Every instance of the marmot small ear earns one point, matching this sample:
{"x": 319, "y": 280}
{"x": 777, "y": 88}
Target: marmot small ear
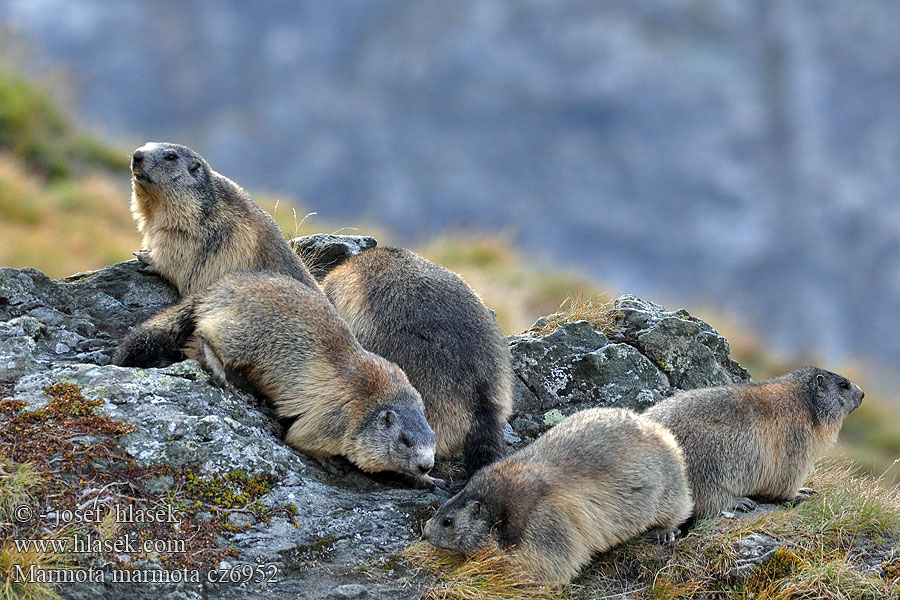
{"x": 194, "y": 166}
{"x": 475, "y": 508}
{"x": 820, "y": 380}
{"x": 390, "y": 417}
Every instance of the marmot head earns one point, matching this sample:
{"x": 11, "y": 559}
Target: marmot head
{"x": 395, "y": 436}
{"x": 465, "y": 521}
{"x": 159, "y": 167}
{"x": 830, "y": 396}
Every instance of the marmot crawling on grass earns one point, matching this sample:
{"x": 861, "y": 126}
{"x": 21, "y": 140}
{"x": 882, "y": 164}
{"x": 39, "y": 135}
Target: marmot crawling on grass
{"x": 429, "y": 322}
{"x": 756, "y": 439}
{"x": 291, "y": 345}
{"x": 594, "y": 480}
{"x": 199, "y": 225}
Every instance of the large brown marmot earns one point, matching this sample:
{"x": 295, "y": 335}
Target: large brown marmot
{"x": 199, "y": 225}
{"x": 429, "y": 322}
{"x": 292, "y": 346}
{"x": 756, "y": 439}
{"x": 595, "y": 479}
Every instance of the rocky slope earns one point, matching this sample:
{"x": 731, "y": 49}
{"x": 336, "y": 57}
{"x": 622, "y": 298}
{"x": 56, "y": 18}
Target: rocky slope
{"x": 328, "y": 529}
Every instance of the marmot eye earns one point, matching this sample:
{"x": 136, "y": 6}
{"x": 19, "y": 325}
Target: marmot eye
{"x": 405, "y": 440}
{"x": 447, "y": 522}
{"x": 170, "y": 155}
{"x": 845, "y": 385}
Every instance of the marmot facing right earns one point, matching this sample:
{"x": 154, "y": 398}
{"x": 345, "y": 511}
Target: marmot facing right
{"x": 429, "y": 322}
{"x": 199, "y": 225}
{"x": 756, "y": 439}
{"x": 595, "y": 479}
{"x": 292, "y": 346}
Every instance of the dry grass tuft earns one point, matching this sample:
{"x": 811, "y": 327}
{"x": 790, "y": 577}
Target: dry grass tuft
{"x": 488, "y": 575}
{"x": 597, "y": 311}
{"x": 13, "y": 559}
{"x": 828, "y": 541}
{"x": 18, "y": 481}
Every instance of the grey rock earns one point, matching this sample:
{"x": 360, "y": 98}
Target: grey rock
{"x": 43, "y": 321}
{"x": 159, "y": 484}
{"x": 754, "y": 551}
{"x": 324, "y": 251}
{"x": 573, "y": 368}
{"x": 241, "y": 519}
{"x": 349, "y": 591}
{"x": 689, "y": 351}
{"x": 183, "y": 420}
{"x": 879, "y": 558}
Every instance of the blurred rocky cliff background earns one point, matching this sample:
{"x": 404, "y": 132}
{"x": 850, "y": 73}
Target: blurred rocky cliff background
{"x": 737, "y": 156}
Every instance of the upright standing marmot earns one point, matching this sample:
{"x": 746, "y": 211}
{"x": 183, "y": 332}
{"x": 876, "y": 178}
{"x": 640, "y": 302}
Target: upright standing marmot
{"x": 199, "y": 225}
{"x": 594, "y": 480}
{"x": 293, "y": 348}
{"x": 756, "y": 439}
{"x": 433, "y": 326}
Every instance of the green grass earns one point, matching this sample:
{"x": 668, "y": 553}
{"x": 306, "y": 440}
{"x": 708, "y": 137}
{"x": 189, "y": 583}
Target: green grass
{"x": 61, "y": 208}
{"x": 63, "y": 227}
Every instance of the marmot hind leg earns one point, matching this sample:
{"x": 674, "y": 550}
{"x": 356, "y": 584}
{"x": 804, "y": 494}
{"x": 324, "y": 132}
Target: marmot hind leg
{"x": 158, "y": 341}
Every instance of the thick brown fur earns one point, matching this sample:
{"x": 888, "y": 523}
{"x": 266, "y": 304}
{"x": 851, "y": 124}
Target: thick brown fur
{"x": 198, "y": 225}
{"x": 758, "y": 439}
{"x": 428, "y": 321}
{"x": 594, "y": 480}
{"x": 292, "y": 346}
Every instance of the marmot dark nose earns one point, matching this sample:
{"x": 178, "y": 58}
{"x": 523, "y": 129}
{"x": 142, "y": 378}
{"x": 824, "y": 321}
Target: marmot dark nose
{"x": 137, "y": 157}
{"x": 425, "y": 466}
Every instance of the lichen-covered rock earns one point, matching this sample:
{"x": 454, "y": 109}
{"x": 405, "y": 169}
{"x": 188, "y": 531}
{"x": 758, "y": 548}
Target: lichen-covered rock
{"x": 79, "y": 319}
{"x": 689, "y": 351}
{"x": 645, "y": 354}
{"x": 574, "y": 368}
{"x": 181, "y": 420}
{"x": 753, "y": 551}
